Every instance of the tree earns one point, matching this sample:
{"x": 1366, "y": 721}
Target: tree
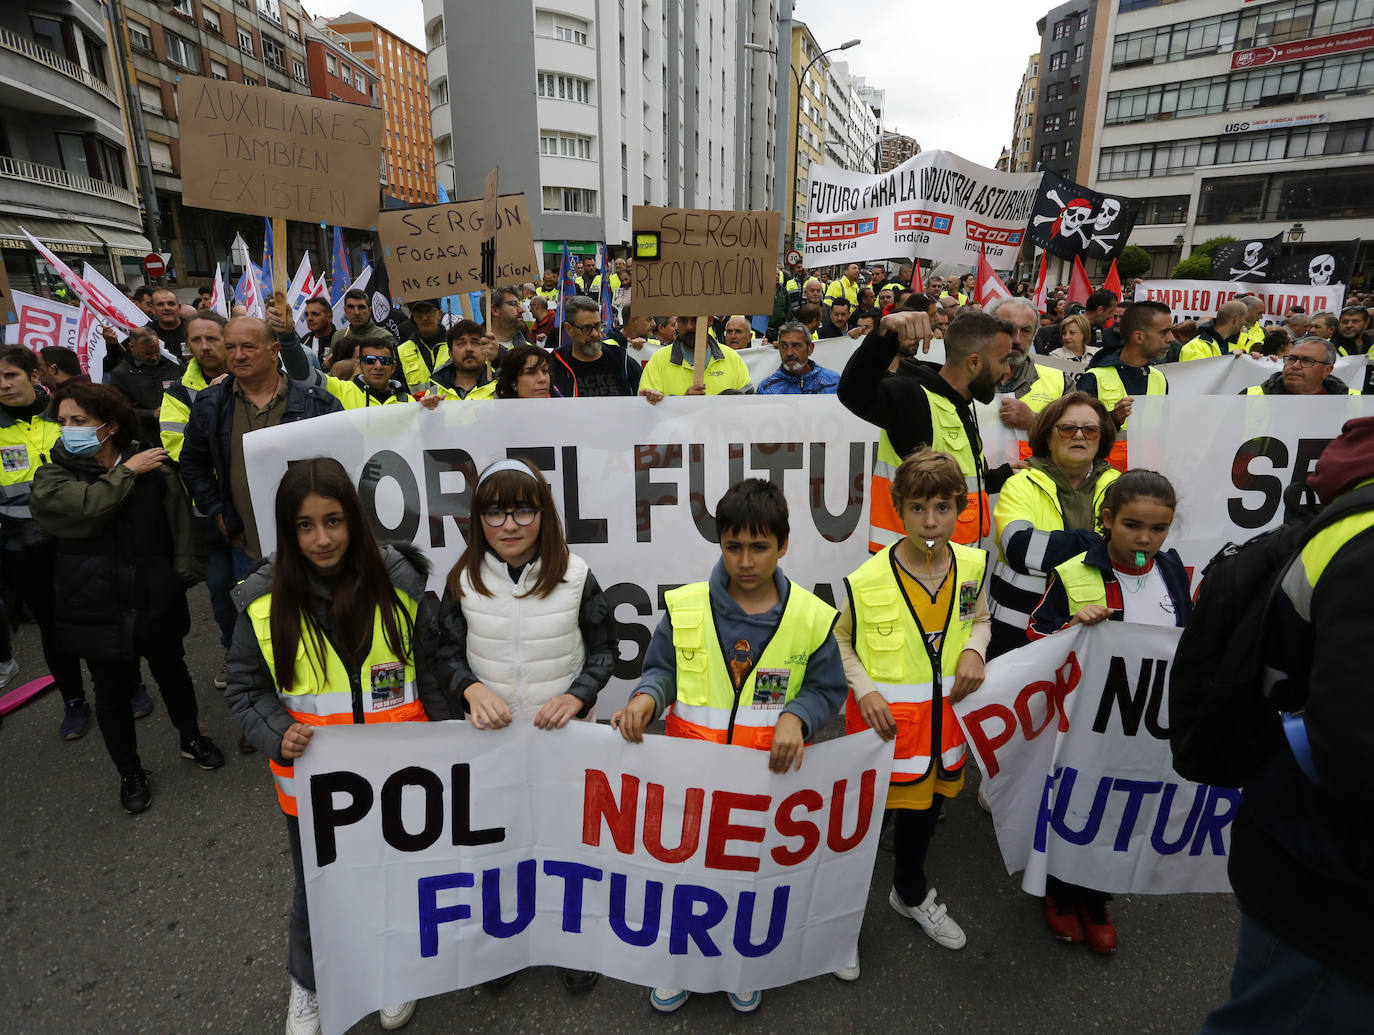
{"x": 1198, "y": 265}
{"x": 1133, "y": 261}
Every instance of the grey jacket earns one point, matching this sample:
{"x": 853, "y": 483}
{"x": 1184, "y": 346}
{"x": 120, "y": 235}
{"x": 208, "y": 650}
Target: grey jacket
{"x": 251, "y": 692}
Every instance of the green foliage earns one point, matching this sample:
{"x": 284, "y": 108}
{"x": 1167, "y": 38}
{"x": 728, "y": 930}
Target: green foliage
{"x": 1133, "y": 261}
{"x": 1205, "y": 248}
{"x": 1197, "y": 266}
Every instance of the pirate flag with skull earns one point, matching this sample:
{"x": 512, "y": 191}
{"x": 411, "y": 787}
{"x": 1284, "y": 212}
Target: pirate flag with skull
{"x": 1319, "y": 266}
{"x": 1251, "y": 261}
{"x": 1073, "y": 221}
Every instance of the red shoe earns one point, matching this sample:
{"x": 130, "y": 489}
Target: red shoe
{"x": 1063, "y": 922}
{"x": 1098, "y": 928}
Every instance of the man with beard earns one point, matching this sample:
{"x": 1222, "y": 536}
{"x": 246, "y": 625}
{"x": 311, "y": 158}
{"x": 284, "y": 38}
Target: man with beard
{"x": 590, "y": 367}
{"x": 925, "y": 404}
{"x": 837, "y": 323}
{"x": 1354, "y": 337}
{"x": 1028, "y": 389}
{"x": 467, "y": 367}
{"x": 798, "y": 374}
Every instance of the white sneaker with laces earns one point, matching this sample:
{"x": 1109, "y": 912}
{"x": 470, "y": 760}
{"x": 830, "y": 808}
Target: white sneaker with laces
{"x": 934, "y": 919}
{"x": 393, "y": 1017}
{"x": 303, "y": 1012}
{"x": 850, "y": 973}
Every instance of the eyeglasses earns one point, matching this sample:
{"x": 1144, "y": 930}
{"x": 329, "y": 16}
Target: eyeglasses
{"x": 1068, "y": 431}
{"x": 588, "y": 328}
{"x": 372, "y": 361}
{"x": 494, "y": 517}
{"x": 1306, "y": 362}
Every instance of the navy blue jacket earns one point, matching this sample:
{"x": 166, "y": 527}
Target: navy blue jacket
{"x": 1052, "y": 613}
{"x": 206, "y": 451}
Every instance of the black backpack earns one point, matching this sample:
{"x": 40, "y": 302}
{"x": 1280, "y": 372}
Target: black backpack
{"x": 1221, "y": 726}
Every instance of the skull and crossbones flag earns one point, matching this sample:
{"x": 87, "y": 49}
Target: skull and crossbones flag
{"x": 1320, "y": 265}
{"x": 1252, "y": 261}
{"x": 1073, "y": 221}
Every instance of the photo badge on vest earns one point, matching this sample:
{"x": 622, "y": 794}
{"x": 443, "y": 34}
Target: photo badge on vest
{"x": 770, "y": 688}
{"x": 14, "y": 458}
{"x": 388, "y": 685}
{"x": 968, "y": 600}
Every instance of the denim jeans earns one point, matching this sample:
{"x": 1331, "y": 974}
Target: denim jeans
{"x": 227, "y": 567}
{"x": 1277, "y": 989}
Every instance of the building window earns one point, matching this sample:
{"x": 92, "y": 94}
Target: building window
{"x": 346, "y": 74}
{"x": 1054, "y": 92}
{"x": 181, "y": 52}
{"x": 293, "y": 28}
{"x": 1049, "y": 152}
{"x": 1172, "y": 208}
{"x": 219, "y": 70}
{"x": 570, "y": 31}
{"x": 71, "y": 149}
{"x": 183, "y": 8}
{"x": 439, "y": 91}
{"x": 248, "y": 80}
{"x": 150, "y": 98}
{"x": 1051, "y": 124}
{"x": 330, "y": 65}
{"x": 565, "y": 146}
{"x": 1068, "y": 149}
{"x": 1083, "y": 21}
{"x": 564, "y": 88}
{"x": 246, "y": 42}
{"x": 160, "y": 155}
{"x": 1058, "y": 60}
{"x": 435, "y": 36}
{"x": 569, "y": 199}
{"x": 1072, "y": 117}
{"x": 1078, "y": 52}
{"x": 1075, "y": 84}
{"x": 273, "y": 53}
{"x": 139, "y": 37}
{"x": 1175, "y": 157}
{"x": 1308, "y": 194}
{"x": 298, "y": 71}
{"x": 1062, "y": 28}
{"x": 211, "y": 17}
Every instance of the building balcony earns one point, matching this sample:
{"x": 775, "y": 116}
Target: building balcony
{"x": 34, "y": 187}
{"x": 13, "y": 43}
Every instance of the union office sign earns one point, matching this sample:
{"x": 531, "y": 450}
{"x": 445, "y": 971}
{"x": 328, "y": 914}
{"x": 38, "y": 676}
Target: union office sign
{"x": 1320, "y": 46}
{"x": 1307, "y": 118}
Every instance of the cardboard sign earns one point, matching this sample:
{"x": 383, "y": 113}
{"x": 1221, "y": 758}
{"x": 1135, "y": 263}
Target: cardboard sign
{"x": 264, "y": 152}
{"x": 692, "y": 261}
{"x": 438, "y": 250}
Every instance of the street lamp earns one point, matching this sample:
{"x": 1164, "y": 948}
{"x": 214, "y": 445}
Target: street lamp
{"x": 796, "y": 131}
{"x": 1296, "y": 231}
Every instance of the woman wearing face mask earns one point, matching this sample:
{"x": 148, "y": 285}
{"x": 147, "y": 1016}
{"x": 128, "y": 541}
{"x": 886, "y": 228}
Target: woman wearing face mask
{"x": 126, "y": 552}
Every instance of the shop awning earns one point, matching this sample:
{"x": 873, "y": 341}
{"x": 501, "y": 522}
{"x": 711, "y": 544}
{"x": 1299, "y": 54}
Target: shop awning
{"x": 124, "y": 242}
{"x": 60, "y": 235}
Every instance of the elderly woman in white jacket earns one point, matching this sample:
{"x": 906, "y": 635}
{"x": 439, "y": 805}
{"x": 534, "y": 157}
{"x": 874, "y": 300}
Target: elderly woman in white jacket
{"x": 523, "y": 632}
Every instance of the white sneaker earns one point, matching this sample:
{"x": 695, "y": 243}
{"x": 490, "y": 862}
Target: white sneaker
{"x": 744, "y": 1002}
{"x": 934, "y": 920}
{"x": 984, "y": 802}
{"x": 8, "y": 670}
{"x": 667, "y": 1000}
{"x": 850, "y": 973}
{"x": 303, "y": 1012}
{"x": 393, "y": 1017}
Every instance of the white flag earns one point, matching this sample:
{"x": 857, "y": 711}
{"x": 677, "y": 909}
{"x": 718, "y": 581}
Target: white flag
{"x": 361, "y": 284}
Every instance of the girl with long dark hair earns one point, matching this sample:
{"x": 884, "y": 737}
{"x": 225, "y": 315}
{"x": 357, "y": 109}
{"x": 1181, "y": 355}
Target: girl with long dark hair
{"x": 325, "y": 636}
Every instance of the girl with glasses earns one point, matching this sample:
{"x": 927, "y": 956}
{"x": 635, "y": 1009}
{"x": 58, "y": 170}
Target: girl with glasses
{"x": 524, "y": 633}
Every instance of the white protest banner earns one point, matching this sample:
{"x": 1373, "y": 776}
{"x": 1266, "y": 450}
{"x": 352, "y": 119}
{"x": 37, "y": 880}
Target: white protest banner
{"x": 1231, "y": 460}
{"x": 933, "y": 206}
{"x": 636, "y": 484}
{"x": 670, "y": 863}
{"x": 1224, "y": 375}
{"x": 1199, "y": 299}
{"x": 123, "y": 314}
{"x": 1071, "y": 733}
{"x": 43, "y": 322}
{"x": 833, "y": 353}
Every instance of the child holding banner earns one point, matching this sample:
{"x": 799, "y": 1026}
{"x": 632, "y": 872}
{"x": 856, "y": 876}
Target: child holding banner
{"x": 913, "y": 637}
{"x": 781, "y": 680}
{"x": 1127, "y": 577}
{"x": 323, "y": 638}
{"x": 523, "y": 630}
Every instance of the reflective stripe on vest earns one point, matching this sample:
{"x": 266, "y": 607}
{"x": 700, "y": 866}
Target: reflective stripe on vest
{"x": 1047, "y": 387}
{"x": 708, "y": 707}
{"x": 1111, "y": 389}
{"x": 893, "y": 650}
{"x": 948, "y": 435}
{"x": 387, "y": 686}
{"x": 414, "y": 370}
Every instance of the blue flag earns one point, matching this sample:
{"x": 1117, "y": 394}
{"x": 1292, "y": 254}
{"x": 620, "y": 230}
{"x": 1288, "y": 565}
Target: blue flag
{"x": 265, "y": 277}
{"x": 567, "y": 285}
{"x": 341, "y": 276}
{"x": 443, "y": 194}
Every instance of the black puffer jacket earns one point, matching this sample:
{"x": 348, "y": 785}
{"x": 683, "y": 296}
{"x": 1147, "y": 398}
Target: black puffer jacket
{"x": 251, "y": 691}
{"x": 126, "y": 552}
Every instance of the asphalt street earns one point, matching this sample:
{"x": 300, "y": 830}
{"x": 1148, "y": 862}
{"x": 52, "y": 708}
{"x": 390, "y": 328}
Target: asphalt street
{"x": 175, "y": 920}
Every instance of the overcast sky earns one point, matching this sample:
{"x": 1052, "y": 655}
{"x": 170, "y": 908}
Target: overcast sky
{"x": 950, "y": 71}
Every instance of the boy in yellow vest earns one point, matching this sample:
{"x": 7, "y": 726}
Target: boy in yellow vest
{"x": 745, "y": 658}
{"x": 913, "y": 638}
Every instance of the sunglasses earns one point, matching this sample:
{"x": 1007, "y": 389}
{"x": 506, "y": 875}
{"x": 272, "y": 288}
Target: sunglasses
{"x": 372, "y": 361}
{"x": 1068, "y": 431}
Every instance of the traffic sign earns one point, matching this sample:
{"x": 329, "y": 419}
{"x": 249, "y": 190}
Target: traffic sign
{"x": 153, "y": 265}
{"x": 794, "y": 257}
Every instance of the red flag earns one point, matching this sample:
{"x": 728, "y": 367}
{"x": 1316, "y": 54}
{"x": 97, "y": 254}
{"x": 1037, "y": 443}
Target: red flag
{"x": 988, "y": 285}
{"x": 1041, "y": 286}
{"x": 85, "y": 291}
{"x": 1079, "y": 285}
{"x": 1113, "y": 282}
{"x": 916, "y": 284}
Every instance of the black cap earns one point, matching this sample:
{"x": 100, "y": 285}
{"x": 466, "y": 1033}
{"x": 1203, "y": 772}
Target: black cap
{"x": 423, "y": 303}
